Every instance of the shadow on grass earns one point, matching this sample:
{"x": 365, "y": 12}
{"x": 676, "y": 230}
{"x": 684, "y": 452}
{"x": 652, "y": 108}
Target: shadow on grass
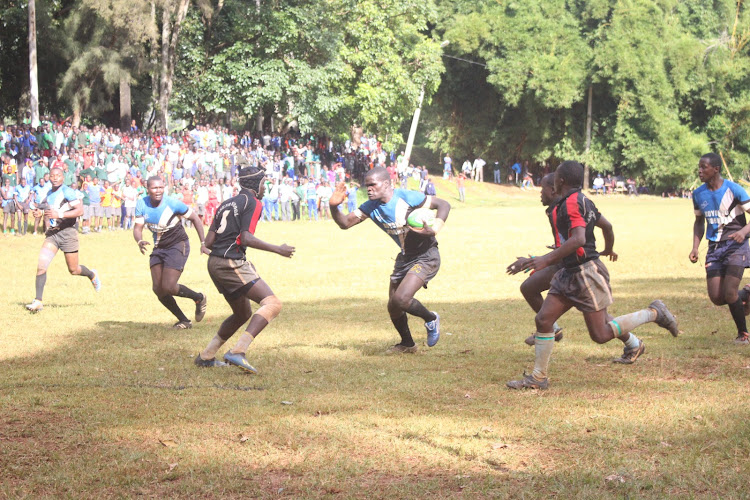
{"x": 340, "y": 418}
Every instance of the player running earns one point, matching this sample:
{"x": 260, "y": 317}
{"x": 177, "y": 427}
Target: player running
{"x": 419, "y": 259}
{"x": 232, "y": 231}
{"x": 162, "y": 216}
{"x": 539, "y": 281}
{"x": 723, "y": 204}
{"x": 60, "y": 208}
{"x": 583, "y": 282}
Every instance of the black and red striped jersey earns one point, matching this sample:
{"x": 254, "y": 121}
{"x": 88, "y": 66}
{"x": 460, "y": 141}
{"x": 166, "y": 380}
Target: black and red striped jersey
{"x": 576, "y": 210}
{"x": 235, "y": 215}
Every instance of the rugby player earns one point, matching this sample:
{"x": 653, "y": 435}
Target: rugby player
{"x": 583, "y": 282}
{"x": 417, "y": 262}
{"x": 60, "y": 208}
{"x": 722, "y": 204}
{"x": 171, "y": 248}
{"x": 539, "y": 282}
{"x": 232, "y": 231}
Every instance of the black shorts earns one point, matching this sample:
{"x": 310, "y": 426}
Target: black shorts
{"x": 173, "y": 257}
{"x": 723, "y": 254}
{"x": 232, "y": 277}
{"x": 425, "y": 266}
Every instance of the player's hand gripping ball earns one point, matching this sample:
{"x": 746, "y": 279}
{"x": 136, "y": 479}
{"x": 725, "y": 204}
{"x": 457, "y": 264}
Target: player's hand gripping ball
{"x": 420, "y": 218}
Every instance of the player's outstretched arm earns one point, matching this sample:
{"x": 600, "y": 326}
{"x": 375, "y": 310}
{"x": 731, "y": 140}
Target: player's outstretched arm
{"x": 609, "y": 238}
{"x": 343, "y": 221}
{"x": 247, "y": 239}
{"x": 699, "y": 227}
{"x": 577, "y": 239}
{"x": 517, "y": 266}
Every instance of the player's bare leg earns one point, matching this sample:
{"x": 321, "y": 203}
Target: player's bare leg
{"x": 400, "y": 302}
{"x": 724, "y": 290}
{"x": 270, "y": 307}
{"x": 74, "y": 268}
{"x": 532, "y": 289}
{"x": 164, "y": 285}
{"x": 46, "y": 254}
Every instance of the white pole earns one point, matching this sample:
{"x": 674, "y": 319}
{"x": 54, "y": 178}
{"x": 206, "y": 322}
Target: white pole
{"x": 33, "y": 81}
{"x": 413, "y": 129}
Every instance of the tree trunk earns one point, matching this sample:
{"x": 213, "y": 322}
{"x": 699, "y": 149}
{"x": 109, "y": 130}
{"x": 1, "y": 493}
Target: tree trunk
{"x": 125, "y": 101}
{"x": 33, "y": 80}
{"x": 172, "y": 17}
{"x": 356, "y": 136}
{"x": 259, "y": 120}
{"x": 588, "y": 136}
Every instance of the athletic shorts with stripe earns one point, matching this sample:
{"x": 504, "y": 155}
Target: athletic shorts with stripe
{"x": 586, "y": 286}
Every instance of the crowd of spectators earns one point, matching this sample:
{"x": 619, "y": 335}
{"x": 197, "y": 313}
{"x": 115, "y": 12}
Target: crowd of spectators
{"x": 109, "y": 169}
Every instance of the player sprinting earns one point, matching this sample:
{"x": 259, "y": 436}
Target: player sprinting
{"x": 162, "y": 215}
{"x": 539, "y": 281}
{"x": 583, "y": 282}
{"x": 417, "y": 262}
{"x": 59, "y": 208}
{"x": 722, "y": 204}
{"x": 232, "y": 231}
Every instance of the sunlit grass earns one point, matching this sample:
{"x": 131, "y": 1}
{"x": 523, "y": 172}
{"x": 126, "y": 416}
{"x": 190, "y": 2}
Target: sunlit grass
{"x": 99, "y": 397}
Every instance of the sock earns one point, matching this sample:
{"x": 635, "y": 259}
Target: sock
{"x": 417, "y": 309}
{"x": 210, "y": 351}
{"x": 738, "y": 315}
{"x": 542, "y": 352}
{"x": 632, "y": 342}
{"x": 171, "y": 304}
{"x": 555, "y": 327}
{"x": 41, "y": 279}
{"x": 628, "y": 322}
{"x": 186, "y": 292}
{"x": 402, "y": 326}
{"x": 85, "y": 271}
{"x": 242, "y": 344}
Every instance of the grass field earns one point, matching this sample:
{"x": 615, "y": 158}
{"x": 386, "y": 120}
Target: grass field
{"x": 100, "y": 398}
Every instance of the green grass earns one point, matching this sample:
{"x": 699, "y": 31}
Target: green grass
{"x": 99, "y": 397}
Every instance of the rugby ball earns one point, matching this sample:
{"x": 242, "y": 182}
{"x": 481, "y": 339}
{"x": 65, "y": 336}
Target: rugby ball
{"x": 420, "y": 218}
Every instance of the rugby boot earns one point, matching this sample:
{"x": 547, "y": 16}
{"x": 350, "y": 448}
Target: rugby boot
{"x": 208, "y": 363}
{"x": 528, "y": 382}
{"x": 433, "y": 330}
{"x": 239, "y": 361}
{"x": 629, "y": 356}
{"x": 664, "y": 317}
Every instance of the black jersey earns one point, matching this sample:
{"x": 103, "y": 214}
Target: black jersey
{"x": 237, "y": 214}
{"x": 576, "y": 210}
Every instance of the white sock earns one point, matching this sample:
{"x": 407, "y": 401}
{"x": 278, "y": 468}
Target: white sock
{"x": 629, "y": 322}
{"x": 632, "y": 342}
{"x": 542, "y": 352}
{"x": 242, "y": 344}
{"x": 210, "y": 351}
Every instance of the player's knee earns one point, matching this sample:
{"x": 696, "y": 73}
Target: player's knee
{"x": 157, "y": 290}
{"x": 74, "y": 270}
{"x": 717, "y": 300}
{"x": 270, "y": 307}
{"x": 730, "y": 296}
{"x": 543, "y": 324}
{"x": 400, "y": 302}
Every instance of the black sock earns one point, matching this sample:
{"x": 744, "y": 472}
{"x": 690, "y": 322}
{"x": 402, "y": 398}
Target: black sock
{"x": 417, "y": 309}
{"x": 171, "y": 304}
{"x": 41, "y": 279}
{"x": 738, "y": 315}
{"x": 186, "y": 292}
{"x": 402, "y": 326}
{"x": 85, "y": 271}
